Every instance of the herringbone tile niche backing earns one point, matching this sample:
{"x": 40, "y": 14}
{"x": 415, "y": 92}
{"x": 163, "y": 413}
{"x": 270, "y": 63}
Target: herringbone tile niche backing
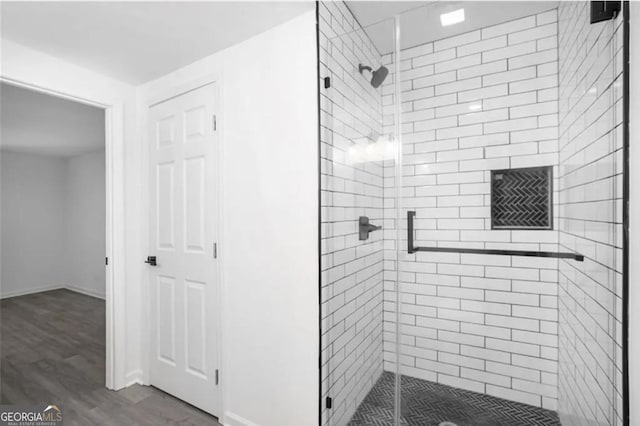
{"x": 522, "y": 198}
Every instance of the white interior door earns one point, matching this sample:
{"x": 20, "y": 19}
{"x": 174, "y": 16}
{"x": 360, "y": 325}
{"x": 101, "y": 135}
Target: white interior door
{"x": 183, "y": 229}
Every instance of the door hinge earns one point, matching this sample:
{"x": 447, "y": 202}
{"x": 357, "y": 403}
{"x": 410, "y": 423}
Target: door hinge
{"x": 215, "y": 250}
{"x": 106, "y": 261}
{"x": 217, "y": 377}
{"x": 215, "y": 123}
{"x": 329, "y": 402}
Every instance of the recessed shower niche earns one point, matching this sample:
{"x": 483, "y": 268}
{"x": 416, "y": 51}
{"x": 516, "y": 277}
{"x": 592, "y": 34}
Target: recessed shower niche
{"x": 522, "y": 198}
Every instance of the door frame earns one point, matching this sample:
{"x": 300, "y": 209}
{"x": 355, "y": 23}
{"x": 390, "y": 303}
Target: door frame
{"x": 149, "y": 98}
{"x": 115, "y": 338}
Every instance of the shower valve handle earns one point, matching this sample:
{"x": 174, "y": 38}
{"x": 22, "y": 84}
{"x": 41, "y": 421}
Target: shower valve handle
{"x": 365, "y": 228}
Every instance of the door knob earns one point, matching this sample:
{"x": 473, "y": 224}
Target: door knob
{"x": 151, "y": 260}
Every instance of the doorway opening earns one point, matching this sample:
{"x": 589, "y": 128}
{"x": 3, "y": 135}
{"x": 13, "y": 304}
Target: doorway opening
{"x": 54, "y": 246}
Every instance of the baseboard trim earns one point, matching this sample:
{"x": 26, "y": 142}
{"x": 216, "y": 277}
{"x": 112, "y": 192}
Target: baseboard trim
{"x": 133, "y": 378}
{"x": 58, "y": 287}
{"x": 17, "y": 293}
{"x": 86, "y": 292}
{"x": 231, "y": 419}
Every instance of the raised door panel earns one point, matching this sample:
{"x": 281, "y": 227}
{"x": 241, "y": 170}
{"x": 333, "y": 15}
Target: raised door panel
{"x": 194, "y": 204}
{"x": 165, "y": 206}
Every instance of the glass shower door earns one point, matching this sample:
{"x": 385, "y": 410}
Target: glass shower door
{"x": 357, "y": 152}
{"x": 509, "y": 276}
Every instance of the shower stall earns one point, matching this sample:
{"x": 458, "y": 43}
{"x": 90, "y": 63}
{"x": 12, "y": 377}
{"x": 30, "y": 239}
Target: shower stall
{"x": 472, "y": 168}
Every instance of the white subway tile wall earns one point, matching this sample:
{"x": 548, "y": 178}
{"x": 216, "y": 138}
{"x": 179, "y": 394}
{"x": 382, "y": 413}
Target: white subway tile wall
{"x": 590, "y": 218}
{"x": 351, "y": 186}
{"x": 484, "y": 100}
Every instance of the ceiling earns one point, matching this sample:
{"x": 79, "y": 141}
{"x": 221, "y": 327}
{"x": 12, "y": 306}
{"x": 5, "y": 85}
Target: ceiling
{"x": 420, "y": 20}
{"x": 137, "y": 42}
{"x": 36, "y": 123}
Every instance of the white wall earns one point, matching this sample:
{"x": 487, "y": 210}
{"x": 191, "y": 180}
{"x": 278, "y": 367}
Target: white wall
{"x": 85, "y": 223}
{"x": 33, "y": 216}
{"x": 53, "y": 223}
{"x": 269, "y": 247}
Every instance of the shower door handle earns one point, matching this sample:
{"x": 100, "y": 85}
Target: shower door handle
{"x": 410, "y": 215}
{"x": 412, "y": 249}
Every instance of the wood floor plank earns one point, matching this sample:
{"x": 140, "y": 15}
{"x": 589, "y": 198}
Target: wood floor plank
{"x": 52, "y": 350}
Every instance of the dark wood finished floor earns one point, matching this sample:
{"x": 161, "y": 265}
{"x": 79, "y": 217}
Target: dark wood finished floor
{"x": 52, "y": 351}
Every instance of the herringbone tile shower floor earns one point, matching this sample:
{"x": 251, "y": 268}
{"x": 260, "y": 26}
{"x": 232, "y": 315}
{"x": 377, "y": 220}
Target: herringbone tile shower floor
{"x": 428, "y": 404}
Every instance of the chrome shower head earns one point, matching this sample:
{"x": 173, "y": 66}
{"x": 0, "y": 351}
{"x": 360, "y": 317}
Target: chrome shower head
{"x": 377, "y": 76}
